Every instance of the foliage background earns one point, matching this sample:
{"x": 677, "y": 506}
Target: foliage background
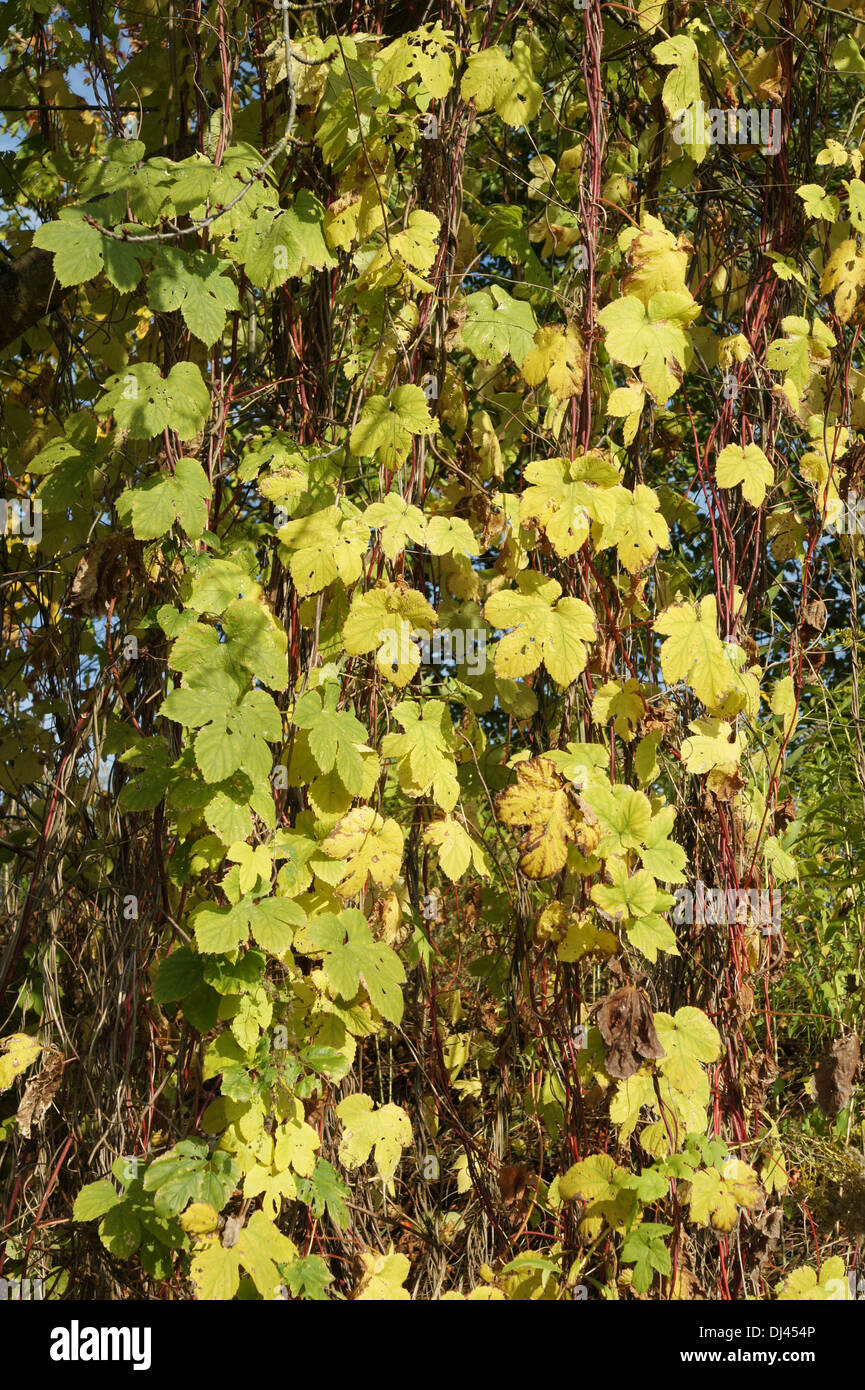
{"x": 334, "y": 974}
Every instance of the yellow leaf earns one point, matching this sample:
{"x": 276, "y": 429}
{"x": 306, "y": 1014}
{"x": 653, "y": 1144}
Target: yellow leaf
{"x": 541, "y": 801}
{"x": 387, "y": 1131}
{"x": 735, "y": 349}
{"x": 215, "y": 1271}
{"x": 747, "y": 466}
{"x": 21, "y": 1052}
{"x": 803, "y": 1286}
{"x": 584, "y": 937}
{"x": 693, "y": 651}
{"x": 383, "y": 1277}
{"x": 714, "y": 746}
{"x": 626, "y": 399}
{"x": 382, "y": 620}
{"x": 547, "y": 628}
{"x": 559, "y": 358}
{"x": 717, "y": 1197}
{"x": 368, "y": 846}
{"x": 456, "y": 848}
{"x": 650, "y": 15}
{"x": 773, "y": 1171}
{"x": 622, "y": 703}
{"x": 658, "y": 260}
{"x": 845, "y": 274}
{"x": 199, "y": 1219}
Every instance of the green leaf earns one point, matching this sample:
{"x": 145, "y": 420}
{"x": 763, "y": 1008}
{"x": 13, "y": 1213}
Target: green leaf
{"x": 217, "y": 753}
{"x": 717, "y": 1197}
{"x": 599, "y": 1182}
{"x": 235, "y": 736}
{"x": 326, "y": 1060}
{"x": 645, "y": 1249}
{"x": 398, "y": 521}
{"x": 220, "y": 929}
{"x": 275, "y": 249}
{"x": 622, "y": 703}
{"x": 308, "y": 1276}
{"x": 429, "y": 60}
{"x": 256, "y": 641}
{"x": 228, "y": 814}
{"x": 351, "y": 956}
{"x": 186, "y": 1174}
{"x": 803, "y": 1285}
{"x": 94, "y": 1200}
{"x": 76, "y": 245}
{"x": 120, "y": 1231}
{"x": 273, "y": 921}
{"x": 334, "y": 736}
{"x": 122, "y": 266}
{"x": 497, "y": 326}
{"x": 162, "y": 500}
{"x": 325, "y": 1192}
{"x": 387, "y": 424}
{"x": 631, "y": 895}
{"x": 235, "y": 977}
{"x": 651, "y": 934}
{"x": 260, "y": 715}
{"x": 195, "y": 283}
{"x": 179, "y": 974}
{"x": 663, "y": 857}
{"x": 625, "y": 816}
{"x": 638, "y": 529}
{"x": 847, "y": 56}
{"x": 195, "y": 707}
{"x": 681, "y": 90}
{"x": 425, "y": 751}
{"x": 856, "y": 194}
{"x": 145, "y": 403}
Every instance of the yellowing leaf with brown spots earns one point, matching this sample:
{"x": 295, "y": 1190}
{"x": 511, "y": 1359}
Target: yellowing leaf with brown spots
{"x": 541, "y": 801}
{"x": 658, "y": 260}
{"x": 21, "y": 1051}
{"x": 382, "y": 620}
{"x": 368, "y": 845}
{"x": 559, "y": 359}
{"x": 199, "y": 1219}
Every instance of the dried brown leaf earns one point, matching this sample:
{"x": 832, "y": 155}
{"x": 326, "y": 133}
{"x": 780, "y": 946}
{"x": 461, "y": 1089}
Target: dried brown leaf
{"x": 40, "y": 1091}
{"x": 832, "y": 1082}
{"x": 627, "y": 1026}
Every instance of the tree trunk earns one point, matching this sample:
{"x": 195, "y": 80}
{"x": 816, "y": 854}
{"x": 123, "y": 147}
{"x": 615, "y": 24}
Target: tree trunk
{"x": 28, "y": 291}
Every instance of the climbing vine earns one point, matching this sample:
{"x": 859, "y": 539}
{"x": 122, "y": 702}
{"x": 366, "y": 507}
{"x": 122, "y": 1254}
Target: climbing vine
{"x": 430, "y": 464}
